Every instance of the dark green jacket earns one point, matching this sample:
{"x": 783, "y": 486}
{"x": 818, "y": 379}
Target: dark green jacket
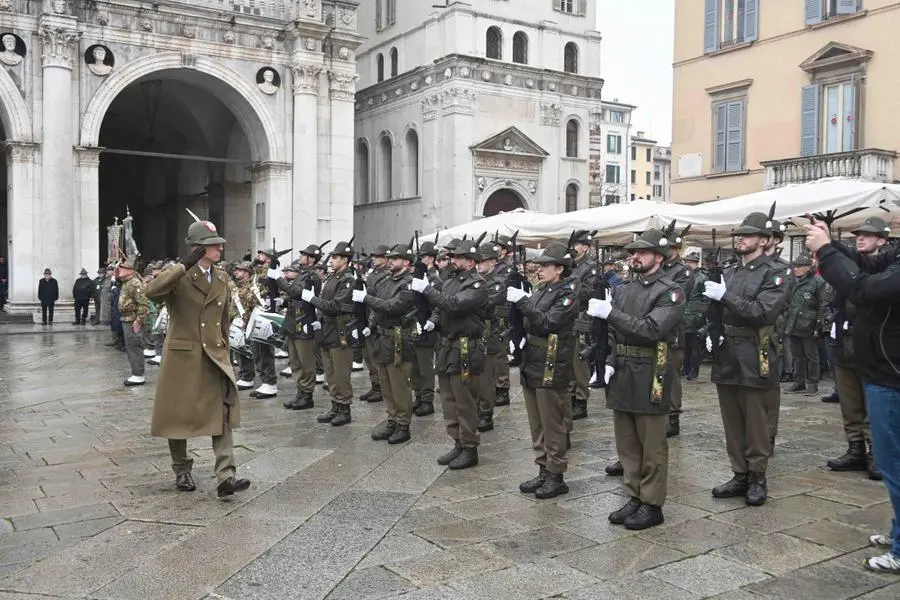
{"x": 455, "y": 315}
{"x": 336, "y": 306}
{"x": 551, "y": 309}
{"x": 806, "y": 311}
{"x": 391, "y": 306}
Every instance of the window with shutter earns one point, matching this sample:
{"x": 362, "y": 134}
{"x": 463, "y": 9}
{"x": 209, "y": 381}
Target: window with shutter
{"x": 392, "y": 12}
{"x": 809, "y": 121}
{"x": 379, "y": 13}
{"x": 721, "y": 122}
{"x": 729, "y": 22}
{"x": 710, "y": 26}
{"x": 814, "y": 10}
{"x": 751, "y": 20}
{"x": 734, "y": 151}
{"x": 557, "y": 5}
{"x": 847, "y": 7}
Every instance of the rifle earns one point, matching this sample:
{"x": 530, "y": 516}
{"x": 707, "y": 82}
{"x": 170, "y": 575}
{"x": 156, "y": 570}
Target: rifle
{"x": 597, "y": 352}
{"x": 716, "y": 311}
{"x": 307, "y": 310}
{"x": 517, "y": 333}
{"x": 420, "y": 271}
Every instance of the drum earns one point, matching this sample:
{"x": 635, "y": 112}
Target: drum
{"x": 265, "y": 328}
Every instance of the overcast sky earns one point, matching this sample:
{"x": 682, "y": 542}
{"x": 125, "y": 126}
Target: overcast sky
{"x": 636, "y": 60}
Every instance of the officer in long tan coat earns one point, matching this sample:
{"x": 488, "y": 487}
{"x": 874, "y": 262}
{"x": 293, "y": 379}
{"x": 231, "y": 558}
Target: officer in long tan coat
{"x": 196, "y": 393}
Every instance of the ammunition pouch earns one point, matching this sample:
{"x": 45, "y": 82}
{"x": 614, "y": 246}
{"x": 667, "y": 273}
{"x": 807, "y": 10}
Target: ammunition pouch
{"x": 661, "y": 353}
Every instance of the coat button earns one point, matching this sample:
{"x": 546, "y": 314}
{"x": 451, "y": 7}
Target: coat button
{"x": 218, "y": 324}
{"x": 204, "y": 345}
{"x": 202, "y": 324}
{"x": 220, "y": 304}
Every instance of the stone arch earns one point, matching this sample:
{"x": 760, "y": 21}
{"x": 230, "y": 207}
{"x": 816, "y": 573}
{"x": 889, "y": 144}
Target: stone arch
{"x": 363, "y": 153}
{"x": 245, "y": 101}
{"x": 524, "y": 196}
{"x": 13, "y": 111}
{"x": 570, "y": 186}
{"x": 384, "y": 186}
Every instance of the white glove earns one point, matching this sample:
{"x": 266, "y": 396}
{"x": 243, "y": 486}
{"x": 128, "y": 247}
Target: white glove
{"x": 512, "y": 344}
{"x": 515, "y": 295}
{"x": 366, "y": 332}
{"x": 833, "y": 332}
{"x": 709, "y": 344}
{"x": 608, "y": 373}
{"x": 428, "y": 326}
{"x": 359, "y": 295}
{"x": 316, "y": 325}
{"x": 598, "y": 308}
{"x": 275, "y": 274}
{"x": 419, "y": 285}
{"x": 307, "y": 295}
{"x": 714, "y": 290}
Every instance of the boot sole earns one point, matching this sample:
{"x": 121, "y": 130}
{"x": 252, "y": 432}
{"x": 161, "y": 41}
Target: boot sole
{"x": 340, "y": 424}
{"x": 461, "y": 467}
{"x": 557, "y": 492}
{"x": 400, "y": 441}
{"x": 736, "y": 494}
{"x": 640, "y": 526}
{"x": 846, "y": 469}
{"x": 483, "y": 429}
{"x": 755, "y": 502}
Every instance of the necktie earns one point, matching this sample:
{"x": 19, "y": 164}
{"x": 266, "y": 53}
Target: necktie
{"x": 209, "y": 276}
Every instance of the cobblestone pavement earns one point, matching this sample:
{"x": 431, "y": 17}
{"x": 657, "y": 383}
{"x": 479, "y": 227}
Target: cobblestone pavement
{"x": 90, "y": 510}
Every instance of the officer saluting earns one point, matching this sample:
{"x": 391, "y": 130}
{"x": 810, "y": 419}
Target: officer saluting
{"x": 644, "y": 316}
{"x": 752, "y": 295}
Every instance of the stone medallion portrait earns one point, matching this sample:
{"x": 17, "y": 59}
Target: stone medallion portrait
{"x": 268, "y": 80}
{"x": 99, "y": 60}
{"x": 13, "y": 49}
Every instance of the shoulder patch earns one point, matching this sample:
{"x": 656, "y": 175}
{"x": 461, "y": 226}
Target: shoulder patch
{"x": 674, "y": 295}
{"x": 567, "y": 301}
{"x": 497, "y": 287}
{"x": 778, "y": 280}
{"x": 477, "y": 284}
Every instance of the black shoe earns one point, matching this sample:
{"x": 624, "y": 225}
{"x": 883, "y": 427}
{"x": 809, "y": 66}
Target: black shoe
{"x": 342, "y": 416}
{"x": 796, "y": 388}
{"x": 648, "y": 515}
{"x": 502, "y": 397}
{"x": 185, "y": 482}
{"x": 872, "y": 467}
{"x": 832, "y": 399}
{"x": 446, "y": 459}
{"x": 232, "y": 485}
{"x": 417, "y": 401}
{"x": 674, "y": 426}
{"x": 579, "y": 409}
{"x": 400, "y": 435}
{"x": 425, "y": 409}
{"x": 615, "y": 469}
{"x": 786, "y": 377}
{"x": 568, "y": 441}
{"x": 365, "y": 397}
{"x": 853, "y": 460}
{"x": 618, "y": 517}
{"x": 812, "y": 389}
{"x": 384, "y": 432}
{"x": 485, "y": 422}
{"x": 734, "y": 488}
{"x": 328, "y": 416}
{"x": 376, "y": 397}
{"x": 468, "y": 457}
{"x": 554, "y": 485}
{"x": 301, "y": 402}
{"x": 756, "y": 489}
{"x": 532, "y": 485}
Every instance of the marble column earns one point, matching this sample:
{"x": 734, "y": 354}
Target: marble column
{"x": 342, "y": 96}
{"x": 271, "y": 188}
{"x": 305, "y": 213}
{"x": 58, "y": 252}
{"x": 22, "y": 243}
{"x": 87, "y": 240}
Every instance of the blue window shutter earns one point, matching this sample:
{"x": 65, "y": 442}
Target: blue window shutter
{"x": 814, "y": 10}
{"x": 734, "y": 152}
{"x": 851, "y": 96}
{"x": 720, "y": 124}
{"x": 847, "y": 7}
{"x": 751, "y": 20}
{"x": 711, "y": 26}
{"x": 809, "y": 121}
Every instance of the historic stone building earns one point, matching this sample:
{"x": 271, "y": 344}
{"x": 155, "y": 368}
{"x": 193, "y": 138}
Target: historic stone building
{"x": 473, "y": 108}
{"x": 241, "y": 110}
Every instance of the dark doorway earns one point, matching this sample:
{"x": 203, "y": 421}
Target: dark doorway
{"x": 502, "y": 201}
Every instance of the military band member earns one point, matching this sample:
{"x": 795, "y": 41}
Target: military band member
{"x": 644, "y": 316}
{"x": 243, "y": 280}
{"x": 336, "y": 306}
{"x": 804, "y": 323}
{"x": 547, "y": 368}
{"x": 390, "y": 330}
{"x": 752, "y": 294}
{"x": 584, "y": 272}
{"x": 264, "y": 354}
{"x": 376, "y": 274}
{"x": 492, "y": 336}
{"x": 502, "y": 271}
{"x": 134, "y": 308}
{"x": 421, "y": 378}
{"x": 683, "y": 275}
{"x": 459, "y": 354}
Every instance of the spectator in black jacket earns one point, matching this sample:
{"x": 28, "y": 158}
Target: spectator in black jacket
{"x": 48, "y": 294}
{"x": 82, "y": 292}
{"x": 872, "y": 283}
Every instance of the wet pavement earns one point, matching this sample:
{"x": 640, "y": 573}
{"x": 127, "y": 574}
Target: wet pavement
{"x": 89, "y": 509}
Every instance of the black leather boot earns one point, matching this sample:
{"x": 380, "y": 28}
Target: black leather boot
{"x": 385, "y": 431}
{"x": 300, "y": 402}
{"x": 674, "y": 426}
{"x": 853, "y": 460}
{"x": 185, "y": 483}
{"x": 648, "y": 515}
{"x": 417, "y": 400}
{"x": 872, "y": 466}
{"x": 579, "y": 409}
{"x": 554, "y": 485}
{"x": 327, "y": 417}
{"x": 375, "y": 397}
{"x": 618, "y": 517}
{"x": 796, "y": 388}
{"x": 532, "y": 485}
{"x": 343, "y": 415}
{"x": 832, "y": 399}
{"x": 468, "y": 457}
{"x": 502, "y": 397}
{"x": 756, "y": 489}
{"x": 786, "y": 377}
{"x": 615, "y": 469}
{"x": 232, "y": 485}
{"x": 400, "y": 435}
{"x": 485, "y": 422}
{"x": 424, "y": 409}
{"x": 446, "y": 459}
{"x": 734, "y": 488}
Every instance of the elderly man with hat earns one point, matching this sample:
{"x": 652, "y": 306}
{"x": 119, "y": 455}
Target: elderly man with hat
{"x": 547, "y": 366}
{"x": 243, "y": 303}
{"x": 694, "y": 320}
{"x": 459, "y": 355}
{"x": 644, "y": 317}
{"x": 376, "y": 274}
{"x": 421, "y": 377}
{"x": 82, "y": 291}
{"x": 48, "y": 294}
{"x": 134, "y": 310}
{"x": 752, "y": 294}
{"x": 584, "y": 272}
{"x": 492, "y": 336}
{"x": 505, "y": 247}
{"x": 196, "y": 393}
{"x": 804, "y": 323}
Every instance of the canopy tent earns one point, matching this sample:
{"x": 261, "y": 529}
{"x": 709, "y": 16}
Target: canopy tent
{"x": 504, "y": 223}
{"x": 615, "y": 224}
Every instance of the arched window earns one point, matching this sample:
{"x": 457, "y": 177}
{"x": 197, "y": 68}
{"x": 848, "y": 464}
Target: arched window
{"x": 380, "y": 62}
{"x": 385, "y": 169}
{"x": 412, "y": 163}
{"x": 520, "y": 48}
{"x": 393, "y": 62}
{"x": 571, "y": 197}
{"x": 362, "y": 172}
{"x": 494, "y": 43}
{"x": 572, "y": 131}
{"x": 571, "y": 58}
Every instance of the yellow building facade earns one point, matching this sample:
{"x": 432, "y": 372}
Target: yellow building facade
{"x": 640, "y": 178}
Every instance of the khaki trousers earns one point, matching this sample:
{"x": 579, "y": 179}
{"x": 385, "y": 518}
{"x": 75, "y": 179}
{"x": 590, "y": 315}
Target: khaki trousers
{"x": 134, "y": 349}
{"x": 746, "y": 422}
{"x": 501, "y": 369}
{"x": 223, "y": 449}
{"x": 460, "y": 409}
{"x": 578, "y": 387}
{"x": 395, "y": 391}
{"x": 485, "y": 388}
{"x": 644, "y": 454}
{"x": 853, "y": 405}
{"x": 421, "y": 376}
{"x": 546, "y": 418}
{"x": 302, "y": 358}
{"x": 677, "y": 359}
{"x": 773, "y": 410}
{"x": 338, "y": 362}
{"x": 372, "y": 366}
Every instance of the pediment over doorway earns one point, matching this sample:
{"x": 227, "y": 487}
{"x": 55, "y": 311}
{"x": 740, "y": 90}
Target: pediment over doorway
{"x": 835, "y": 54}
{"x": 511, "y": 142}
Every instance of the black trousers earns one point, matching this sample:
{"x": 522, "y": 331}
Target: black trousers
{"x": 693, "y": 353}
{"x": 47, "y": 312}
{"x": 81, "y": 310}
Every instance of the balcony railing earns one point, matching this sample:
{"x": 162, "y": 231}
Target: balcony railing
{"x": 871, "y": 165}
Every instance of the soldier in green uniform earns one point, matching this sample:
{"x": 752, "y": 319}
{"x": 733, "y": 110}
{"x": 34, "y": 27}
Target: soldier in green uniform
{"x": 804, "y": 323}
{"x": 442, "y": 264}
{"x": 459, "y": 355}
{"x": 242, "y": 295}
{"x": 752, "y": 295}
{"x": 547, "y": 366}
{"x": 376, "y": 274}
{"x": 421, "y": 377}
{"x": 336, "y": 306}
{"x": 264, "y": 354}
{"x": 134, "y": 308}
{"x": 694, "y": 320}
{"x": 585, "y": 270}
{"x": 390, "y": 329}
{"x": 502, "y": 271}
{"x": 492, "y": 336}
{"x": 683, "y": 275}
{"x": 780, "y": 350}
{"x": 644, "y": 318}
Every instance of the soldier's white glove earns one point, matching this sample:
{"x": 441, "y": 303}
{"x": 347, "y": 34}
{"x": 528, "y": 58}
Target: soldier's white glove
{"x": 275, "y": 274}
{"x": 359, "y": 295}
{"x": 307, "y": 295}
{"x": 428, "y": 326}
{"x": 833, "y": 332}
{"x": 709, "y": 343}
{"x": 515, "y": 295}
{"x": 714, "y": 290}
{"x": 512, "y": 344}
{"x": 419, "y": 285}
{"x": 316, "y": 325}
{"x": 366, "y": 332}
{"x": 608, "y": 372}
{"x": 598, "y": 308}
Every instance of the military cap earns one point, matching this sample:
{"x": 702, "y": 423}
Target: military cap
{"x": 451, "y": 244}
{"x": 313, "y": 251}
{"x": 293, "y": 267}
{"x": 127, "y": 263}
{"x": 778, "y": 229}
{"x": 343, "y": 249}
{"x": 803, "y": 260}
{"x": 203, "y": 233}
{"x": 465, "y": 248}
{"x": 83, "y": 271}
{"x": 380, "y": 250}
{"x": 556, "y": 253}
{"x": 401, "y": 251}
{"x": 652, "y": 239}
{"x": 427, "y": 249}
{"x": 874, "y": 225}
{"x": 693, "y": 257}
{"x": 755, "y": 223}
{"x": 442, "y": 255}
{"x": 487, "y": 251}
{"x": 245, "y": 265}
{"x": 583, "y": 236}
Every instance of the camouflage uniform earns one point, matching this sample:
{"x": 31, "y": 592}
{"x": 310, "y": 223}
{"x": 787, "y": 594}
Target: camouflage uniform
{"x": 133, "y": 305}
{"x": 242, "y": 290}
{"x": 264, "y": 354}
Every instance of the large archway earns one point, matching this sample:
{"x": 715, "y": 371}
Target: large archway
{"x": 502, "y": 200}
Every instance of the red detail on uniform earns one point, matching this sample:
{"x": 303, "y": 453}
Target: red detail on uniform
{"x": 210, "y": 226}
